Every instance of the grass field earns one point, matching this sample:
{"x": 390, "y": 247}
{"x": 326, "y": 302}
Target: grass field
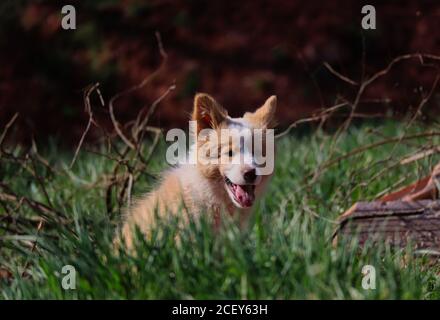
{"x": 285, "y": 254}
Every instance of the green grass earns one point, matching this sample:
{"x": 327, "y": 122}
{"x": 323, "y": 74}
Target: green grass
{"x": 285, "y": 254}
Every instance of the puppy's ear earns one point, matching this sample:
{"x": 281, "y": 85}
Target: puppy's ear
{"x": 265, "y": 115}
{"x": 207, "y": 112}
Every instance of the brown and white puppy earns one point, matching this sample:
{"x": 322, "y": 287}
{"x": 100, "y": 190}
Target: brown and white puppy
{"x": 231, "y": 184}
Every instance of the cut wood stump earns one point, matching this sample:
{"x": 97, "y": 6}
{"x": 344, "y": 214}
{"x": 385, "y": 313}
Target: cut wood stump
{"x": 410, "y": 215}
{"x": 395, "y": 222}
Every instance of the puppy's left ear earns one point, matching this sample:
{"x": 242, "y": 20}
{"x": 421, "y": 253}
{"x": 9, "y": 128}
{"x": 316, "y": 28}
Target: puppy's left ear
{"x": 207, "y": 112}
{"x": 265, "y": 115}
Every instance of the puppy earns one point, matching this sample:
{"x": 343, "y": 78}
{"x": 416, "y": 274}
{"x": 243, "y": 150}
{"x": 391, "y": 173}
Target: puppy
{"x": 224, "y": 176}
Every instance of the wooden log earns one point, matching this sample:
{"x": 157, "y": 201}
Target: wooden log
{"x": 409, "y": 215}
{"x": 395, "y": 222}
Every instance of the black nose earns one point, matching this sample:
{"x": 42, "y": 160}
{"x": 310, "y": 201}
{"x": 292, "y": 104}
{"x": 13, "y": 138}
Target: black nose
{"x": 250, "y": 176}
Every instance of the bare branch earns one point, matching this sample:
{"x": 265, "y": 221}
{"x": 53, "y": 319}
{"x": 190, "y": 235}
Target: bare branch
{"x": 340, "y": 76}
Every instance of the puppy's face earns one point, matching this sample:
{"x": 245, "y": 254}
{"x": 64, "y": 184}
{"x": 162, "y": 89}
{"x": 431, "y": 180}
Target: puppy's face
{"x": 235, "y": 152}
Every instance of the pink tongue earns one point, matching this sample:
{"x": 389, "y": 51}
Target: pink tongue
{"x": 245, "y": 198}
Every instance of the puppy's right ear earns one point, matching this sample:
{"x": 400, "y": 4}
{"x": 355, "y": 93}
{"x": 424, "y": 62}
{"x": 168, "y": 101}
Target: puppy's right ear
{"x": 207, "y": 112}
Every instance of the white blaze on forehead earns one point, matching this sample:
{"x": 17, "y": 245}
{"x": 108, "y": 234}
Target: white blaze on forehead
{"x": 237, "y": 123}
{"x": 242, "y": 137}
{"x": 252, "y": 150}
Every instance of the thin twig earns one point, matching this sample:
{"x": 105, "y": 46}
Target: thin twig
{"x": 88, "y": 110}
{"x": 340, "y": 76}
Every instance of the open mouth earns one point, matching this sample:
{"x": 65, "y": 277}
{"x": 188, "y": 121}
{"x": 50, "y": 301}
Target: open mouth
{"x": 243, "y": 195}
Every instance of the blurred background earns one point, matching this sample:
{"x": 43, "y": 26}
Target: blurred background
{"x": 238, "y": 51}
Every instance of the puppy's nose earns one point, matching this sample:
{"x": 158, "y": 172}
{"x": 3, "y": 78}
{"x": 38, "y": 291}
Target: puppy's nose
{"x": 250, "y": 176}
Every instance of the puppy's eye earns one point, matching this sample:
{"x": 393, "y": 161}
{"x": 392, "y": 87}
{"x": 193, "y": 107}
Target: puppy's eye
{"x": 230, "y": 153}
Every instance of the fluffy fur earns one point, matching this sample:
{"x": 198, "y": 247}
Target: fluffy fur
{"x": 207, "y": 188}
